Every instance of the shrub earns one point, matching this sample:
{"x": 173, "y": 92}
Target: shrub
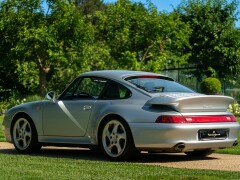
{"x": 16, "y": 100}
{"x": 33, "y": 98}
{"x": 234, "y": 108}
{"x": 210, "y": 85}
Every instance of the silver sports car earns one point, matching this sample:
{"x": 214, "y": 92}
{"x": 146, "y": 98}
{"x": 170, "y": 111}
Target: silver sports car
{"x": 124, "y": 112}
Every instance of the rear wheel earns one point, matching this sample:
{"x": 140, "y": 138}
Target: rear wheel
{"x": 24, "y": 135}
{"x": 116, "y": 140}
{"x": 199, "y": 153}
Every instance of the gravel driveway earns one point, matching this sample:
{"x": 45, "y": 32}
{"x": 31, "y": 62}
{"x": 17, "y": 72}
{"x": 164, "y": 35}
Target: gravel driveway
{"x": 180, "y": 160}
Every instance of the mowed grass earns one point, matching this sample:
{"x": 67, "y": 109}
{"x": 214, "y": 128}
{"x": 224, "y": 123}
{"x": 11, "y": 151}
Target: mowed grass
{"x": 49, "y": 166}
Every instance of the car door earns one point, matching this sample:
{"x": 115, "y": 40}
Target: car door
{"x": 69, "y": 114}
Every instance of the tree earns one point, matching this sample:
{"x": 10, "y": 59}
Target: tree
{"x": 45, "y": 48}
{"x": 89, "y": 7}
{"x": 47, "y": 40}
{"x": 215, "y": 40}
{"x": 141, "y": 38}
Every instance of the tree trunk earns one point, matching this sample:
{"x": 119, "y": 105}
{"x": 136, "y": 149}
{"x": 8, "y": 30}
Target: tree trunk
{"x": 43, "y": 70}
{"x": 42, "y": 81}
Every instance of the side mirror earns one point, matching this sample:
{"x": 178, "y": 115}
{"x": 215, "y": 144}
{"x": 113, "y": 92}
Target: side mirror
{"x": 51, "y": 96}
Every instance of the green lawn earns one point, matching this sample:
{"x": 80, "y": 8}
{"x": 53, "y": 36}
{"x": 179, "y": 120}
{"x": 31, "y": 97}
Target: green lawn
{"x": 78, "y": 165}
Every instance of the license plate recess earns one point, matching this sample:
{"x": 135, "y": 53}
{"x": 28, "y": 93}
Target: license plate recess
{"x": 213, "y": 134}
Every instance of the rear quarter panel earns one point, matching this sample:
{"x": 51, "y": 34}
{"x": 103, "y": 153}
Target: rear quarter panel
{"x": 131, "y": 110}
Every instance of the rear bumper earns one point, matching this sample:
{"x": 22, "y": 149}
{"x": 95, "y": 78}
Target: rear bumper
{"x": 159, "y": 136}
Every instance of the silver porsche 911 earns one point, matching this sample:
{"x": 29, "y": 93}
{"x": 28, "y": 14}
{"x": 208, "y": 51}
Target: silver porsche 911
{"x": 124, "y": 112}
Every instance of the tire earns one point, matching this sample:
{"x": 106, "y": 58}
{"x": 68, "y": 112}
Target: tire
{"x": 116, "y": 140}
{"x": 24, "y": 135}
{"x": 199, "y": 153}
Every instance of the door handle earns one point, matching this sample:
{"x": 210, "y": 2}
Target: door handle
{"x": 86, "y": 107}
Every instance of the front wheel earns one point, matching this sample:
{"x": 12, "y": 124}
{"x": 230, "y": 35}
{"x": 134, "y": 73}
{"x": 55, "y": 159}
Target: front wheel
{"x": 24, "y": 135}
{"x": 116, "y": 140}
{"x": 199, "y": 153}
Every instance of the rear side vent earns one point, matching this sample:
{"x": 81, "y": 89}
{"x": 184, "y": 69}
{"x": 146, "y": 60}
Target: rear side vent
{"x": 195, "y": 119}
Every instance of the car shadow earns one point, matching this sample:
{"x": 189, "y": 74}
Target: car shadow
{"x": 94, "y": 155}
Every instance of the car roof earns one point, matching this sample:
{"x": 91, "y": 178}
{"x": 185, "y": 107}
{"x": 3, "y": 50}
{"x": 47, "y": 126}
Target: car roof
{"x": 119, "y": 74}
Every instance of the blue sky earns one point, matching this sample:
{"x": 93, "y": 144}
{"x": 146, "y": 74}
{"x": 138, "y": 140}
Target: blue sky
{"x": 160, "y": 4}
{"x": 166, "y": 5}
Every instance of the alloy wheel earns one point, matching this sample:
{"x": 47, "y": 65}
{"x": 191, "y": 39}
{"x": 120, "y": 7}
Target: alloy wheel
{"x": 114, "y": 138}
{"x": 22, "y": 134}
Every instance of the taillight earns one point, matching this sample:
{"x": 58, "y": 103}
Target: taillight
{"x": 194, "y": 119}
{"x": 170, "y": 119}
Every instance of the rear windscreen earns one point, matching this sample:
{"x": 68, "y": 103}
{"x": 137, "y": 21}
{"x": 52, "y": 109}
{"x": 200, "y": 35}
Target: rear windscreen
{"x": 157, "y": 84}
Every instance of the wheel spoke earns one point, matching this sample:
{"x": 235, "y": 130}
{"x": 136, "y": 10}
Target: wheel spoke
{"x": 110, "y": 146}
{"x": 119, "y": 148}
{"x": 108, "y": 134}
{"x": 25, "y": 143}
{"x": 18, "y": 128}
{"x": 18, "y": 139}
{"x": 24, "y": 125}
{"x": 121, "y": 136}
{"x": 115, "y": 128}
{"x": 27, "y": 134}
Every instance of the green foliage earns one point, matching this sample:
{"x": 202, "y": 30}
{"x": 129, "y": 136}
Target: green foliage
{"x": 42, "y": 40}
{"x": 89, "y": 7}
{"x": 16, "y": 99}
{"x": 31, "y": 98}
{"x": 210, "y": 86}
{"x": 27, "y": 73}
{"x": 43, "y": 49}
{"x": 2, "y": 137}
{"x": 215, "y": 41}
{"x": 234, "y": 108}
{"x": 140, "y": 38}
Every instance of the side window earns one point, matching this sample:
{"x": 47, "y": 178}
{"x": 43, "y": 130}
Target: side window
{"x": 124, "y": 92}
{"x": 68, "y": 94}
{"x": 85, "y": 88}
{"x": 115, "y": 90}
{"x": 90, "y": 86}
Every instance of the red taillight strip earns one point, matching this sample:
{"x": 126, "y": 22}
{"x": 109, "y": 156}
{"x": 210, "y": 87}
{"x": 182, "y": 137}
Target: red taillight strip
{"x": 195, "y": 119}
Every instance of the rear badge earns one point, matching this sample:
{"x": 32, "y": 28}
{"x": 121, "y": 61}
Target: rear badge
{"x": 207, "y": 107}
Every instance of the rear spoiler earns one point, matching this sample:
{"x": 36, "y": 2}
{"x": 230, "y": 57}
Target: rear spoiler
{"x": 193, "y": 102}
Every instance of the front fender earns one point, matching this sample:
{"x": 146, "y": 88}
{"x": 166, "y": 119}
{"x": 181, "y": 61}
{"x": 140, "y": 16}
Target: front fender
{"x": 32, "y": 109}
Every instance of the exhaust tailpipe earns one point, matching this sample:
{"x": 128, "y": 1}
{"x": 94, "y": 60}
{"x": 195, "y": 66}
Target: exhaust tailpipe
{"x": 179, "y": 147}
{"x": 235, "y": 143}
